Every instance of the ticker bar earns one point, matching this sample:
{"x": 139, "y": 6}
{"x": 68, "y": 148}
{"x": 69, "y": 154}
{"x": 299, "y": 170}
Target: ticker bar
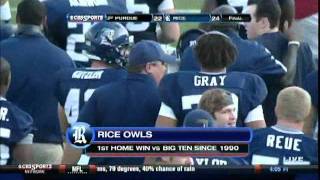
{"x": 196, "y": 170}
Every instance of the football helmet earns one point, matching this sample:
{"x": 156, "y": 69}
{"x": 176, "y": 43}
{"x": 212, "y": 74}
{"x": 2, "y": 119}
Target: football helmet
{"x": 108, "y": 42}
{"x": 187, "y": 39}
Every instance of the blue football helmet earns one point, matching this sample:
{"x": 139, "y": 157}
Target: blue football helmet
{"x": 187, "y": 39}
{"x": 108, "y": 42}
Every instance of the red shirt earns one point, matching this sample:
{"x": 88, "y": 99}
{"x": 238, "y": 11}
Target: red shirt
{"x": 305, "y": 8}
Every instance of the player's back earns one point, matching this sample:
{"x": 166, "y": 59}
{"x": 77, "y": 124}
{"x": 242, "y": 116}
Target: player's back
{"x": 70, "y": 35}
{"x": 75, "y": 86}
{"x": 248, "y": 90}
{"x": 132, "y": 102}
{"x": 15, "y": 124}
{"x": 282, "y": 146}
{"x": 34, "y": 60}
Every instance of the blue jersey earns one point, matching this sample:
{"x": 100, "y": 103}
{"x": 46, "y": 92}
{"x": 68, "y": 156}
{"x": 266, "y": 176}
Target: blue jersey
{"x": 182, "y": 91}
{"x": 311, "y": 85}
{"x": 70, "y": 35}
{"x": 132, "y": 102}
{"x": 15, "y": 125}
{"x": 252, "y": 58}
{"x": 75, "y": 86}
{"x": 6, "y": 30}
{"x": 281, "y": 146}
{"x": 34, "y": 61}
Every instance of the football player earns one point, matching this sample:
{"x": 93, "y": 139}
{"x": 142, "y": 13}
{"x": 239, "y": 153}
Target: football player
{"x": 131, "y": 102}
{"x": 15, "y": 125}
{"x": 168, "y": 33}
{"x": 285, "y": 143}
{"x": 108, "y": 48}
{"x": 215, "y": 52}
{"x": 69, "y": 35}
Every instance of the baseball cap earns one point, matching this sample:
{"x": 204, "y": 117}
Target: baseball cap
{"x": 198, "y": 118}
{"x": 146, "y": 51}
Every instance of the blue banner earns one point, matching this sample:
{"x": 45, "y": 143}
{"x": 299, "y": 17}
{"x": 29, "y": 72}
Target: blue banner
{"x": 152, "y": 134}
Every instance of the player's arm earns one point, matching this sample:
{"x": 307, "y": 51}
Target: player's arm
{"x": 70, "y": 154}
{"x": 290, "y": 58}
{"x": 166, "y": 117}
{"x": 170, "y": 32}
{"x": 255, "y": 118}
{"x": 22, "y": 152}
{"x": 163, "y": 121}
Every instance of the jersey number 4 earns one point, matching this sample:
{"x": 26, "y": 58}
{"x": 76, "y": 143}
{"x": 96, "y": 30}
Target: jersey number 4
{"x": 72, "y": 104}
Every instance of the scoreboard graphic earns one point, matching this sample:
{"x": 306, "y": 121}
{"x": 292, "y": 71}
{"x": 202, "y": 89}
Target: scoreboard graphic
{"x": 181, "y": 18}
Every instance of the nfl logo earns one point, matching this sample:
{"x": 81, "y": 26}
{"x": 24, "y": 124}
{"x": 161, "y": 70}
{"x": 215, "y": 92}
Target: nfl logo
{"x": 79, "y": 135}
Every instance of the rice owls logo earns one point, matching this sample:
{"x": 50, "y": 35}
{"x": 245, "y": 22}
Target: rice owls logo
{"x": 107, "y": 36}
{"x": 79, "y": 135}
